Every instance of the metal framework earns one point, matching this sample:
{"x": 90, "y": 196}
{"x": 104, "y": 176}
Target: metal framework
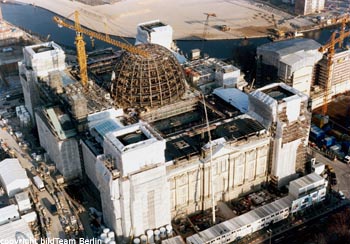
{"x": 206, "y": 24}
{"x": 148, "y": 82}
{"x": 80, "y": 44}
{"x": 330, "y": 49}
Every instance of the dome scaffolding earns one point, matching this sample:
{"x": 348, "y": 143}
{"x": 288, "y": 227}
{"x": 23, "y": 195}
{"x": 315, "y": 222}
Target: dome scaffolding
{"x": 151, "y": 81}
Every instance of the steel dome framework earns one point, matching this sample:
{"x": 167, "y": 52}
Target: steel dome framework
{"x": 151, "y": 81}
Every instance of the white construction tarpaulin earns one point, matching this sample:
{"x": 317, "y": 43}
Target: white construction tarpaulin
{"x": 13, "y": 177}
{"x": 8, "y": 214}
{"x": 15, "y": 231}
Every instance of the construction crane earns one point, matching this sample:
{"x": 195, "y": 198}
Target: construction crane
{"x": 274, "y": 21}
{"x": 80, "y": 44}
{"x": 206, "y": 23}
{"x": 330, "y": 49}
{"x": 276, "y": 32}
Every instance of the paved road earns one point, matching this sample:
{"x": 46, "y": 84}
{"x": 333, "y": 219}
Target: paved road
{"x": 285, "y": 230}
{"x": 341, "y": 169}
{"x": 26, "y": 163}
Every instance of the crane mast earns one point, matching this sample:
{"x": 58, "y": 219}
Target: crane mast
{"x": 330, "y": 49}
{"x": 206, "y": 23}
{"x": 80, "y": 44}
{"x": 81, "y": 54}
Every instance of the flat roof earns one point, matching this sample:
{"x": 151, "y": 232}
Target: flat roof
{"x": 234, "y": 97}
{"x": 179, "y": 123}
{"x": 7, "y": 213}
{"x": 278, "y": 93}
{"x": 94, "y": 146}
{"x": 22, "y": 196}
{"x": 132, "y": 137}
{"x": 174, "y": 240}
{"x": 240, "y": 221}
{"x": 306, "y": 180}
{"x": 187, "y": 146}
{"x": 10, "y": 172}
{"x": 182, "y": 148}
{"x": 42, "y": 49}
{"x": 287, "y": 47}
{"x": 16, "y": 230}
{"x": 239, "y": 128}
{"x": 151, "y": 25}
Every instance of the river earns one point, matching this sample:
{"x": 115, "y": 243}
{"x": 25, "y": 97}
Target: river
{"x": 40, "y": 21}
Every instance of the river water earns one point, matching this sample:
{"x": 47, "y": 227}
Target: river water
{"x": 40, "y": 21}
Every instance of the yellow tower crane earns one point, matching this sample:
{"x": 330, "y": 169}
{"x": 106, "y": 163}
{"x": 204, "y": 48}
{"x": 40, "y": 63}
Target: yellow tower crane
{"x": 329, "y": 48}
{"x": 80, "y": 44}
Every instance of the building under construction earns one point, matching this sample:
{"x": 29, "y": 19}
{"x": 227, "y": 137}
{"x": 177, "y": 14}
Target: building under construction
{"x": 338, "y": 77}
{"x": 305, "y": 7}
{"x": 151, "y": 81}
{"x": 9, "y": 34}
{"x": 154, "y": 148}
{"x": 283, "y": 110}
{"x": 291, "y": 61}
{"x": 321, "y": 72}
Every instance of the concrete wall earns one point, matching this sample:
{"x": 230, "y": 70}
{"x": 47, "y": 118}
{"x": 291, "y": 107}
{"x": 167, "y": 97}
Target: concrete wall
{"x": 28, "y": 80}
{"x": 44, "y": 62}
{"x": 302, "y": 79}
{"x": 110, "y": 200}
{"x": 149, "y": 198}
{"x": 65, "y": 154}
{"x": 162, "y": 35}
{"x": 289, "y": 120}
{"x": 149, "y": 191}
{"x": 131, "y": 205}
{"x": 305, "y": 7}
{"x": 133, "y": 157}
{"x": 89, "y": 163}
{"x": 236, "y": 171}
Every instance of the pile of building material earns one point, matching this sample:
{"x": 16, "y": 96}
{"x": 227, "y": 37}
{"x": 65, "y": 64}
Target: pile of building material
{"x": 23, "y": 116}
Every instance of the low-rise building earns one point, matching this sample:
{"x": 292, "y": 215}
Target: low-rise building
{"x": 15, "y": 231}
{"x": 13, "y": 177}
{"x": 303, "y": 192}
{"x": 23, "y": 201}
{"x": 210, "y": 73}
{"x": 307, "y": 191}
{"x": 290, "y": 61}
{"x": 8, "y": 214}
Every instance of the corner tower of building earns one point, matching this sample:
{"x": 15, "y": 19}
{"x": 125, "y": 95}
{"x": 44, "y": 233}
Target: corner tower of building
{"x": 283, "y": 110}
{"x": 39, "y": 61}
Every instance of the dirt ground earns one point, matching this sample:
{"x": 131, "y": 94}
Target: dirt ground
{"x": 187, "y": 17}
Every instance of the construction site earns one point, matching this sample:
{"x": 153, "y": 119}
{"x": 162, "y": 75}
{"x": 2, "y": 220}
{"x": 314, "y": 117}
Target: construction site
{"x": 321, "y": 72}
{"x": 167, "y": 149}
{"x": 189, "y": 140}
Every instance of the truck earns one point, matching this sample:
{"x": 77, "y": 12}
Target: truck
{"x": 39, "y": 183}
{"x": 347, "y": 159}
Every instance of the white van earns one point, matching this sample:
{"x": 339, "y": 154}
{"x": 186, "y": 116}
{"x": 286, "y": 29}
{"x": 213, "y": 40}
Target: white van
{"x": 341, "y": 195}
{"x": 347, "y": 159}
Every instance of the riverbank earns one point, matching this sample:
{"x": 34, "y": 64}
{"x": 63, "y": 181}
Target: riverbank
{"x": 245, "y": 19}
